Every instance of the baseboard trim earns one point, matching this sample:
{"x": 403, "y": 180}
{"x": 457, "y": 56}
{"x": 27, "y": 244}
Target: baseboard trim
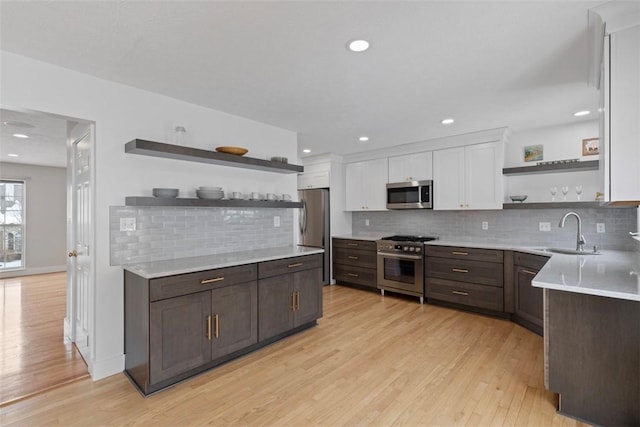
{"x": 100, "y": 369}
{"x": 32, "y": 271}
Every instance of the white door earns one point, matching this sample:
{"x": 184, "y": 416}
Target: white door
{"x": 79, "y": 237}
{"x": 448, "y": 179}
{"x": 375, "y": 176}
{"x": 354, "y": 195}
{"x": 411, "y": 167}
{"x": 483, "y": 176}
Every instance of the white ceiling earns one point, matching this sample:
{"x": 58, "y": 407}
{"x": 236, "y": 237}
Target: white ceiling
{"x": 487, "y": 64}
{"x": 47, "y": 142}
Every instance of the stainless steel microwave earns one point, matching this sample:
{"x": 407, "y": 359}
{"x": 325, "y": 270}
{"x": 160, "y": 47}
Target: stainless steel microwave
{"x": 410, "y": 195}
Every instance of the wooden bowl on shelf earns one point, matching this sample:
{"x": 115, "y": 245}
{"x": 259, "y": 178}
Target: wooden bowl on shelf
{"x": 238, "y": 151}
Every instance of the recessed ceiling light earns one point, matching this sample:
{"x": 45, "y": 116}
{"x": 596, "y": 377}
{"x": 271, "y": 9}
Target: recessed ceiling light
{"x": 20, "y": 135}
{"x": 582, "y": 113}
{"x": 12, "y": 155}
{"x": 447, "y": 121}
{"x": 18, "y": 124}
{"x": 358, "y": 45}
{"x": 363, "y": 139}
{"x": 306, "y": 150}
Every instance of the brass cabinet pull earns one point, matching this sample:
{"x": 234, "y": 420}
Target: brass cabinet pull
{"x": 352, "y": 257}
{"x": 297, "y": 264}
{"x": 293, "y": 301}
{"x": 298, "y": 300}
{"x": 459, "y": 270}
{"x": 209, "y": 327}
{"x": 352, "y": 274}
{"x": 216, "y": 331}
{"x": 459, "y": 253}
{"x": 466, "y": 294}
{"x": 352, "y": 244}
{"x": 215, "y": 279}
{"x": 528, "y": 272}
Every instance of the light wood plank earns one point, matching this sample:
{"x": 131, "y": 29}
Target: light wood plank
{"x": 372, "y": 360}
{"x": 34, "y": 356}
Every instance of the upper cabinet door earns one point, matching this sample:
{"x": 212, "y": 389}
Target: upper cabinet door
{"x": 354, "y": 196}
{"x": 374, "y": 181}
{"x": 468, "y": 177}
{"x": 366, "y": 185}
{"x": 411, "y": 167}
{"x": 308, "y": 180}
{"x": 483, "y": 176}
{"x": 448, "y": 179}
{"x": 624, "y": 117}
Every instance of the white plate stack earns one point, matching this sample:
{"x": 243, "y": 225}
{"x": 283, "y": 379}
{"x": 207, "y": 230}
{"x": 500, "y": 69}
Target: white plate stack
{"x": 213, "y": 193}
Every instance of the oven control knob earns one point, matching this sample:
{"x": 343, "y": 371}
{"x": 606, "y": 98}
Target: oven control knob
{"x": 411, "y": 249}
{"x": 417, "y": 249}
{"x": 406, "y": 248}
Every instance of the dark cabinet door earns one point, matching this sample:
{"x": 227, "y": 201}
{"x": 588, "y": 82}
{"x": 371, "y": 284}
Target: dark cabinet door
{"x": 308, "y": 287}
{"x": 178, "y": 338}
{"x": 528, "y": 304}
{"x": 234, "y": 318}
{"x": 276, "y": 301}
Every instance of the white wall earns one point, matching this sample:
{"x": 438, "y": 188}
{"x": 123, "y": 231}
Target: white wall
{"x": 45, "y": 214}
{"x": 122, "y": 113}
{"x": 560, "y": 143}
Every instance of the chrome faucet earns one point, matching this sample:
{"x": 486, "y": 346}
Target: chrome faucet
{"x": 580, "y": 241}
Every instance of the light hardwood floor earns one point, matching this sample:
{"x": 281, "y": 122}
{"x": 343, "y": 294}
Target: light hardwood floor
{"x": 371, "y": 360}
{"x": 33, "y": 354}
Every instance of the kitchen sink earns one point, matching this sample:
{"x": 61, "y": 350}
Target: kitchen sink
{"x": 568, "y": 251}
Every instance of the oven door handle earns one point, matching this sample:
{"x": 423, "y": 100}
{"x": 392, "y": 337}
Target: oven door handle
{"x": 399, "y": 256}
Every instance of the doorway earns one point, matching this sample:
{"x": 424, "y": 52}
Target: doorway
{"x": 55, "y": 145}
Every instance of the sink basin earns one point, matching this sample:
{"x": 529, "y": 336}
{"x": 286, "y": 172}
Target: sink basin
{"x": 569, "y": 251}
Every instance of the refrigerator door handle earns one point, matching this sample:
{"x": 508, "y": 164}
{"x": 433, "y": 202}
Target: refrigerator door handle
{"x": 302, "y": 221}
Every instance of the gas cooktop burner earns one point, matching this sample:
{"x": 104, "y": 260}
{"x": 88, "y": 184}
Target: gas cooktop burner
{"x": 410, "y": 238}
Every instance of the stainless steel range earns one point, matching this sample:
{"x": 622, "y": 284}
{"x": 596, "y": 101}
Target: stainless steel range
{"x": 401, "y": 265}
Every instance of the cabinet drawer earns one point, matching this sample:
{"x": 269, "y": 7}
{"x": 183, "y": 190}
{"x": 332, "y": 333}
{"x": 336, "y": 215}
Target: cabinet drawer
{"x": 473, "y": 254}
{"x": 355, "y": 244}
{"x": 355, "y": 257}
{"x": 534, "y": 262}
{"x": 484, "y": 273}
{"x": 288, "y": 265}
{"x": 172, "y": 286}
{"x": 358, "y": 275}
{"x": 470, "y": 294}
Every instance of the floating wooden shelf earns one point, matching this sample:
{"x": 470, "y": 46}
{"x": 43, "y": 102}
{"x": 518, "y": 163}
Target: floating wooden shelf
{"x": 170, "y": 151}
{"x": 559, "y": 167}
{"x": 207, "y": 203}
{"x": 560, "y": 205}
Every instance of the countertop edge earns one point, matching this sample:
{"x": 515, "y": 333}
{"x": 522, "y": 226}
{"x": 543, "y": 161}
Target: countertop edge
{"x": 251, "y": 258}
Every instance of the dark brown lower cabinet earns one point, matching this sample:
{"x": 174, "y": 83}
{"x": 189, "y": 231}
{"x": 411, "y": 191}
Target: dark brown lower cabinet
{"x": 288, "y": 301}
{"x": 234, "y": 318}
{"x": 178, "y": 326}
{"x": 528, "y": 309}
{"x": 177, "y": 335}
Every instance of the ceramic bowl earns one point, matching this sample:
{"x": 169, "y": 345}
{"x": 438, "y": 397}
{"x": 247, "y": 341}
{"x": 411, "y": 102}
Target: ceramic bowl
{"x": 165, "y": 192}
{"x": 520, "y": 198}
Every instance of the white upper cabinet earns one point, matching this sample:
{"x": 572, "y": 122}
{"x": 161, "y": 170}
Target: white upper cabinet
{"x": 366, "y": 185}
{"x": 411, "y": 167}
{"x": 313, "y": 179}
{"x": 468, "y": 177}
{"x": 620, "y": 120}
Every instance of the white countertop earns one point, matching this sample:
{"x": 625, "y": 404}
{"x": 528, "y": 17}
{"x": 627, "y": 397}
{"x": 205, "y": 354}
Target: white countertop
{"x": 614, "y": 274}
{"x": 152, "y": 270}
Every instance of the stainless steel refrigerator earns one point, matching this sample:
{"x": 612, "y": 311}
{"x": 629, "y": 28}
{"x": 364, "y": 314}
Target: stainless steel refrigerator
{"x": 314, "y": 225}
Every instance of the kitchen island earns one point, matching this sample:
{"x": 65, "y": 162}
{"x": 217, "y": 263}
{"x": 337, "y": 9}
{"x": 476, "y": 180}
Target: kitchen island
{"x": 184, "y": 316}
{"x": 592, "y": 335}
